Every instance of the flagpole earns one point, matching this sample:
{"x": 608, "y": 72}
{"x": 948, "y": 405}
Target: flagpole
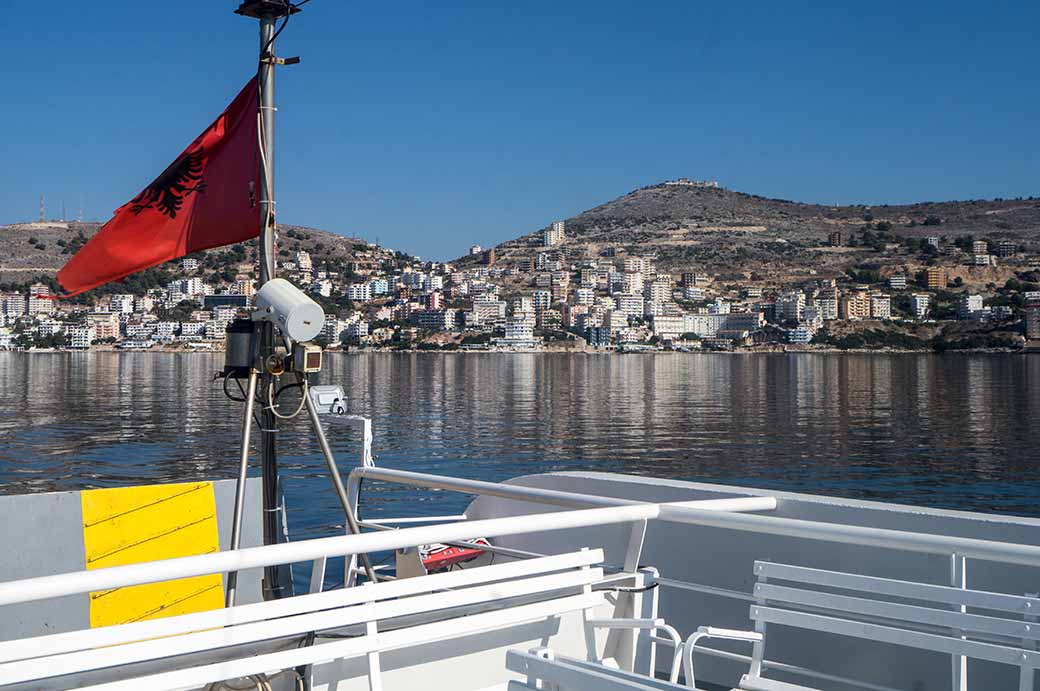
{"x": 267, "y": 110}
{"x": 268, "y": 12}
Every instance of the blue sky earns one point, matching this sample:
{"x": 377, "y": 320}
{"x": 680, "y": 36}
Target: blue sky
{"x": 433, "y": 126}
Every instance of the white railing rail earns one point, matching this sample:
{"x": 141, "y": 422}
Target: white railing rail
{"x": 44, "y": 587}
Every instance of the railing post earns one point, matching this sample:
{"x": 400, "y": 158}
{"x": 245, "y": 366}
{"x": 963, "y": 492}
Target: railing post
{"x": 1026, "y": 676}
{"x": 350, "y": 563}
{"x": 645, "y": 606}
{"x": 959, "y": 579}
{"x": 375, "y": 672}
{"x": 318, "y": 574}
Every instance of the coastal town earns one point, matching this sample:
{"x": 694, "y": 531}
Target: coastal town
{"x": 558, "y": 297}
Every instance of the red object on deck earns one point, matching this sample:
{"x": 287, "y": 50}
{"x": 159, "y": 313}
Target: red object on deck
{"x": 206, "y": 198}
{"x": 437, "y": 557}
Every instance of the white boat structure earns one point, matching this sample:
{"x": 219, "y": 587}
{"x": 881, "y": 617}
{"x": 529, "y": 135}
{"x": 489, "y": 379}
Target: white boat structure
{"x": 560, "y": 581}
{"x": 584, "y": 581}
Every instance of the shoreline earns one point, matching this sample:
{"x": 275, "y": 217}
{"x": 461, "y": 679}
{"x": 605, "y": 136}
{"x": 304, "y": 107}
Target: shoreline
{"x": 560, "y": 351}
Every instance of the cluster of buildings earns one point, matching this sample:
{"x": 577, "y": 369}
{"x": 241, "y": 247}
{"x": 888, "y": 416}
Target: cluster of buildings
{"x": 384, "y": 299}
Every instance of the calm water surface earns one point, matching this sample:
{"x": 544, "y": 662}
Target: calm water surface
{"x": 947, "y": 431}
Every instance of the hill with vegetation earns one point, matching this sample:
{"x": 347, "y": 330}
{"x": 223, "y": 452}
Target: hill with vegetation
{"x": 690, "y": 226}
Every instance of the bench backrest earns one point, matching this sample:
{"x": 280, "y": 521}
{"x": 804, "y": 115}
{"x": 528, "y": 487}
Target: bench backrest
{"x": 513, "y": 592}
{"x": 546, "y": 670}
{"x": 957, "y": 621}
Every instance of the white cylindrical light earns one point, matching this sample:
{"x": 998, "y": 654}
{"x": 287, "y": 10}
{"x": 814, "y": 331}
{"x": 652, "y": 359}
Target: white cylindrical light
{"x": 297, "y": 315}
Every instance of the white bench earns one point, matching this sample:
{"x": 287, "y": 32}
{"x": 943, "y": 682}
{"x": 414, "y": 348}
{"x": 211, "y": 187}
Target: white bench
{"x": 545, "y": 670}
{"x": 258, "y": 638}
{"x": 878, "y": 609}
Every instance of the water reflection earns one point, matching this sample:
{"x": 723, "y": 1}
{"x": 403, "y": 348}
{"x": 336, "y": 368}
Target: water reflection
{"x": 950, "y": 431}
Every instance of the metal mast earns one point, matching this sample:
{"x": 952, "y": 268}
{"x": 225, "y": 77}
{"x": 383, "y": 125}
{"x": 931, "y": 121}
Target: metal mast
{"x": 268, "y": 12}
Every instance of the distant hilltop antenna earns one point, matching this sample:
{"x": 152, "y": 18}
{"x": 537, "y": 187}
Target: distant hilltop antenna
{"x": 43, "y": 210}
{"x": 79, "y": 215}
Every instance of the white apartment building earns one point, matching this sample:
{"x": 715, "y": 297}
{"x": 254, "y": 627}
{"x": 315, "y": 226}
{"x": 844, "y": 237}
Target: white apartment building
{"x": 121, "y": 304}
{"x": 189, "y": 264}
{"x": 542, "y": 300}
{"x": 897, "y": 282}
{"x": 225, "y": 313}
{"x": 968, "y": 306}
{"x": 668, "y": 326}
{"x": 826, "y": 306}
{"x": 322, "y": 288}
{"x": 15, "y": 304}
{"x": 790, "y": 306}
{"x": 659, "y": 290}
{"x": 880, "y": 307}
{"x": 919, "y": 301}
{"x": 194, "y": 286}
{"x": 166, "y": 331}
{"x": 554, "y": 234}
{"x": 704, "y": 325}
{"x": 585, "y": 296}
{"x": 379, "y": 286}
{"x": 303, "y": 262}
{"x": 191, "y": 330}
{"x": 142, "y": 331}
{"x": 39, "y": 299}
{"x": 489, "y": 310}
{"x": 523, "y": 305}
{"x": 720, "y": 306}
{"x": 49, "y": 327}
{"x": 144, "y": 303}
{"x": 333, "y": 328}
{"x": 359, "y": 292}
{"x": 693, "y": 293}
{"x": 801, "y": 335}
{"x": 632, "y": 282}
{"x": 475, "y": 249}
{"x": 356, "y": 330}
{"x": 629, "y": 304}
{"x": 81, "y": 336}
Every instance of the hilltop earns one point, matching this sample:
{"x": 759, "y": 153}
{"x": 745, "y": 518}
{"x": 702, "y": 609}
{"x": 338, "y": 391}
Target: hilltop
{"x": 691, "y": 226}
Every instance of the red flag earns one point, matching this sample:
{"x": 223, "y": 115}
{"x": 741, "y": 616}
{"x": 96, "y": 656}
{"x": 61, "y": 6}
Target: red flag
{"x": 206, "y": 198}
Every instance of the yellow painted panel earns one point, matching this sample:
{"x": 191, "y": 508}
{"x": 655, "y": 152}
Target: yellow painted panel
{"x": 127, "y": 525}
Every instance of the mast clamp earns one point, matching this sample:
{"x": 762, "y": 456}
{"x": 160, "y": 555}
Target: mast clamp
{"x": 273, "y": 60}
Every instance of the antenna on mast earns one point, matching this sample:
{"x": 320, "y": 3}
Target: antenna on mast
{"x": 43, "y": 209}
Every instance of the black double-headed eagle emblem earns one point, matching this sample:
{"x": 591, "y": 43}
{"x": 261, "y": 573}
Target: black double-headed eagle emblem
{"x": 167, "y": 192}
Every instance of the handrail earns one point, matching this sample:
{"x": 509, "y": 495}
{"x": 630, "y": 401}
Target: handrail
{"x": 1008, "y": 552}
{"x": 43, "y": 587}
{"x": 539, "y": 495}
{"x": 732, "y": 519}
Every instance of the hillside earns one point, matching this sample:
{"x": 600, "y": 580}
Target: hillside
{"x": 33, "y": 250}
{"x": 713, "y": 227}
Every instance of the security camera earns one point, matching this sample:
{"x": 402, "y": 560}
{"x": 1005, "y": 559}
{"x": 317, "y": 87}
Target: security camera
{"x": 296, "y": 315}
